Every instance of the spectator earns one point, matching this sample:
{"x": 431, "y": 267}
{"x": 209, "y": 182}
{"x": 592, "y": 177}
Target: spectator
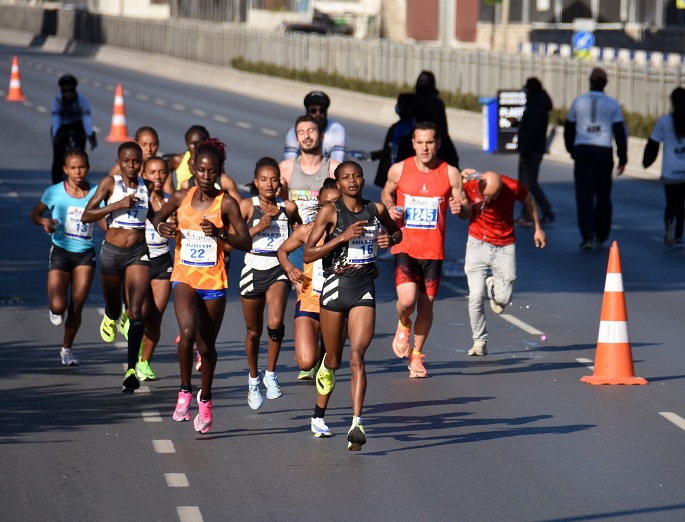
{"x": 388, "y": 155}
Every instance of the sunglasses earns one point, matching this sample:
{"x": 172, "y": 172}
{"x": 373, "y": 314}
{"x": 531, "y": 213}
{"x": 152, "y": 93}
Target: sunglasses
{"x": 316, "y": 110}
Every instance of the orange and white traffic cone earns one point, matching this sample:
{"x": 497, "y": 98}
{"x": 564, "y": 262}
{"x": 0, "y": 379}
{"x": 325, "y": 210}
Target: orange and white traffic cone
{"x": 15, "y": 93}
{"x": 118, "y": 132}
{"x": 613, "y": 358}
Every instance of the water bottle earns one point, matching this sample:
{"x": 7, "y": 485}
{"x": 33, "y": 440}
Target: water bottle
{"x": 54, "y": 224}
{"x": 474, "y": 176}
{"x": 401, "y": 221}
{"x": 472, "y": 188}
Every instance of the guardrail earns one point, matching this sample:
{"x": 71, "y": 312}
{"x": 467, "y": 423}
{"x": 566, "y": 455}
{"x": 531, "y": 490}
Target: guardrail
{"x": 642, "y": 88}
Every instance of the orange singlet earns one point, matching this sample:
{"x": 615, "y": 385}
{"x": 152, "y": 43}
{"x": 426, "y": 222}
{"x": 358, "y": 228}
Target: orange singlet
{"x": 199, "y": 259}
{"x": 424, "y": 196}
{"x": 311, "y": 286}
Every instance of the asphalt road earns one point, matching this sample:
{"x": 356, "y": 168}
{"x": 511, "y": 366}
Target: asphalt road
{"x": 511, "y": 436}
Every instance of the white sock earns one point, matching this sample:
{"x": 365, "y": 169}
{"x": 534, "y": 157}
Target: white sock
{"x": 268, "y": 373}
{"x": 254, "y": 380}
{"x": 358, "y": 419}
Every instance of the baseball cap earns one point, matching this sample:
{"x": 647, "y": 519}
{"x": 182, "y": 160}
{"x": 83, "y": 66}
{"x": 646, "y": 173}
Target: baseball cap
{"x": 317, "y": 98}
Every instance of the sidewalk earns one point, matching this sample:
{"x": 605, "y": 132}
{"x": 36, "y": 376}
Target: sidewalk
{"x": 465, "y": 126}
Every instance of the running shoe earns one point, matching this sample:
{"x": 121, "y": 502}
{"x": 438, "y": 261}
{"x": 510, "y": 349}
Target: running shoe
{"x": 325, "y": 379}
{"x": 131, "y": 382}
{"x": 400, "y": 344}
{"x": 198, "y": 364}
{"x": 479, "y": 347}
{"x": 108, "y": 329}
{"x": 181, "y": 412}
{"x": 490, "y": 286}
{"x": 56, "y": 319}
{"x": 356, "y": 436}
{"x": 416, "y": 368}
{"x": 144, "y": 372}
{"x": 308, "y": 375}
{"x": 203, "y": 420}
{"x": 68, "y": 358}
{"x": 273, "y": 389}
{"x": 586, "y": 244}
{"x": 319, "y": 428}
{"x": 255, "y": 399}
{"x": 124, "y": 323}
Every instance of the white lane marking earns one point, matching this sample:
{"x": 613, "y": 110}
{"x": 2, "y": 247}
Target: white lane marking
{"x": 198, "y": 112}
{"x": 101, "y": 311}
{"x": 27, "y": 103}
{"x": 10, "y": 194}
{"x": 178, "y": 107}
{"x": 40, "y": 108}
{"x": 507, "y": 317}
{"x": 97, "y": 83}
{"x": 142, "y": 97}
{"x": 143, "y": 390}
{"x": 176, "y": 480}
{"x": 151, "y": 416}
{"x": 243, "y": 125}
{"x": 675, "y": 419}
{"x": 124, "y": 366}
{"x": 110, "y": 87}
{"x": 126, "y": 92}
{"x": 122, "y": 345}
{"x": 269, "y": 132}
{"x": 522, "y": 325}
{"x": 220, "y": 119}
{"x": 49, "y": 70}
{"x": 163, "y": 446}
{"x": 159, "y": 101}
{"x": 189, "y": 514}
{"x": 586, "y": 362}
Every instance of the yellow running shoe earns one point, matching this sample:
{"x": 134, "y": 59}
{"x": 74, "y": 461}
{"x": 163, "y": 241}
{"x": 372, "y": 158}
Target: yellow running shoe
{"x": 108, "y": 329}
{"x": 325, "y": 379}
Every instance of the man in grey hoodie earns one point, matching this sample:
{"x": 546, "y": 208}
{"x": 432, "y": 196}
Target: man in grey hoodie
{"x": 532, "y": 144}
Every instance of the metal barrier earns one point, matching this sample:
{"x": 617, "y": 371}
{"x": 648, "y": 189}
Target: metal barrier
{"x": 641, "y": 88}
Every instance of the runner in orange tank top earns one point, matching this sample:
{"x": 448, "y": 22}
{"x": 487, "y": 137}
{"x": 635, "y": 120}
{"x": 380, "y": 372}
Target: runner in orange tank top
{"x": 199, "y": 280}
{"x": 417, "y": 194}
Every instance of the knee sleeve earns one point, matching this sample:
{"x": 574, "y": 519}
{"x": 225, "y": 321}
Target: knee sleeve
{"x": 276, "y": 334}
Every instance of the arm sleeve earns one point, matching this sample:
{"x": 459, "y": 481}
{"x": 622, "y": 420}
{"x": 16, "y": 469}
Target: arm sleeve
{"x": 621, "y": 137}
{"x": 290, "y": 148}
{"x": 86, "y": 116}
{"x": 335, "y": 142}
{"x": 56, "y": 119}
{"x": 650, "y": 153}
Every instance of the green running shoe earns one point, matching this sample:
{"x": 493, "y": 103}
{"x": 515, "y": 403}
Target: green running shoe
{"x": 124, "y": 323}
{"x": 131, "y": 382}
{"x": 144, "y": 372}
{"x": 325, "y": 379}
{"x": 308, "y": 375}
{"x": 356, "y": 436}
{"x": 108, "y": 329}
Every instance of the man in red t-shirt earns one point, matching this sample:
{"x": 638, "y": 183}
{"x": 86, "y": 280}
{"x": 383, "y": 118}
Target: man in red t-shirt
{"x": 417, "y": 194}
{"x": 491, "y": 245}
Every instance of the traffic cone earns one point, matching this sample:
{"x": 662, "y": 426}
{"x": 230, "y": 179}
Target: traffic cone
{"x": 15, "y": 93}
{"x": 613, "y": 358}
{"x": 118, "y": 132}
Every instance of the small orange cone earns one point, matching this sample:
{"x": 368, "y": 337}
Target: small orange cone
{"x": 15, "y": 93}
{"x": 613, "y": 358}
{"x": 118, "y": 132}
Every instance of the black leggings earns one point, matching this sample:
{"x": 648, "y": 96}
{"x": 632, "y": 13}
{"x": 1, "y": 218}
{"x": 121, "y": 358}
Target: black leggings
{"x": 675, "y": 206}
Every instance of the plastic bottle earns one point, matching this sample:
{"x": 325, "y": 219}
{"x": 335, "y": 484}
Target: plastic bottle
{"x": 54, "y": 224}
{"x": 401, "y": 211}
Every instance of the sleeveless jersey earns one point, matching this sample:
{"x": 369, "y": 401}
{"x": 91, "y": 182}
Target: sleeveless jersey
{"x": 158, "y": 245}
{"x": 262, "y": 256}
{"x": 357, "y": 256}
{"x": 131, "y": 218}
{"x": 424, "y": 196}
{"x": 312, "y": 285}
{"x": 72, "y": 234}
{"x": 303, "y": 189}
{"x": 199, "y": 259}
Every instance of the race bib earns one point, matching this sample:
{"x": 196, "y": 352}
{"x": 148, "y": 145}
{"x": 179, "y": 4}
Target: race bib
{"x": 362, "y": 250}
{"x": 198, "y": 249}
{"x": 152, "y": 238}
{"x": 421, "y": 212}
{"x": 307, "y": 202}
{"x": 268, "y": 240}
{"x": 317, "y": 277}
{"x": 75, "y": 228}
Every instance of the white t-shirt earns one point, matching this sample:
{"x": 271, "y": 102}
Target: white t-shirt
{"x": 594, "y": 114}
{"x": 334, "y": 142}
{"x": 673, "y": 163}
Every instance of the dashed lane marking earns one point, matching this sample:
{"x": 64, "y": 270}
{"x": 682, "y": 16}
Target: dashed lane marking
{"x": 220, "y": 119}
{"x": 189, "y": 514}
{"x": 178, "y": 107}
{"x": 151, "y": 416}
{"x": 40, "y": 108}
{"x": 163, "y": 446}
{"x": 243, "y": 125}
{"x": 122, "y": 345}
{"x": 161, "y": 102}
{"x": 674, "y": 418}
{"x": 586, "y": 362}
{"x": 269, "y": 132}
{"x": 142, "y": 97}
{"x": 199, "y": 112}
{"x": 176, "y": 480}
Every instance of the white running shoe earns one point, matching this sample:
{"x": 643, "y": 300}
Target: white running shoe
{"x": 490, "y": 287}
{"x": 255, "y": 399}
{"x": 68, "y": 358}
{"x": 273, "y": 389}
{"x": 56, "y": 319}
{"x": 319, "y": 428}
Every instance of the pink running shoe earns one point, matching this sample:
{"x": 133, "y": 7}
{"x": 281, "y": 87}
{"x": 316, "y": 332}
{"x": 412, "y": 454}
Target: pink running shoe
{"x": 182, "y": 406}
{"x": 203, "y": 420}
{"x": 400, "y": 344}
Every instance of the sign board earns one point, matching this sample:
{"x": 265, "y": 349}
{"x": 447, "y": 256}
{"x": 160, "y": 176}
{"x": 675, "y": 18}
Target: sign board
{"x": 583, "y": 41}
{"x": 584, "y": 25}
{"x": 510, "y": 106}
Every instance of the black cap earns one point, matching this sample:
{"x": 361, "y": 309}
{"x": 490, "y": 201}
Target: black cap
{"x": 317, "y": 98}
{"x": 68, "y": 79}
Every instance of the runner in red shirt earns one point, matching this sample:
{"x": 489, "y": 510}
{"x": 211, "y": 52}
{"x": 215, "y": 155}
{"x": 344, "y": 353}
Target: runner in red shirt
{"x": 490, "y": 263}
{"x": 417, "y": 194}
